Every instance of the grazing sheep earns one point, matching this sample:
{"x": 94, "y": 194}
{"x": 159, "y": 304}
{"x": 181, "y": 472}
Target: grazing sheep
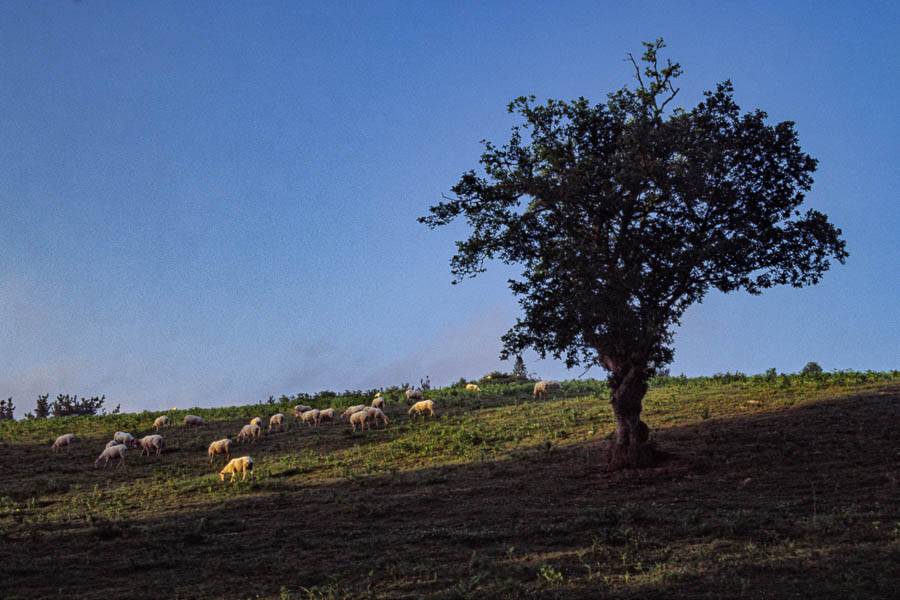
{"x": 112, "y": 452}
{"x": 300, "y": 409}
{"x": 422, "y": 406}
{"x": 352, "y": 409}
{"x": 151, "y": 441}
{"x": 63, "y": 440}
{"x": 473, "y": 387}
{"x": 310, "y": 417}
{"x": 251, "y": 432}
{"x": 243, "y": 465}
{"x": 377, "y": 414}
{"x": 256, "y": 421}
{"x": 125, "y": 438}
{"x": 161, "y": 422}
{"x": 542, "y": 388}
{"x": 378, "y": 403}
{"x": 220, "y": 447}
{"x": 414, "y": 395}
{"x": 361, "y": 418}
{"x": 327, "y": 414}
{"x": 195, "y": 421}
{"x": 276, "y": 420}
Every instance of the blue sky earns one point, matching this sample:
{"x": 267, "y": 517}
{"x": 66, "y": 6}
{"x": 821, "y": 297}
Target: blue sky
{"x": 206, "y": 203}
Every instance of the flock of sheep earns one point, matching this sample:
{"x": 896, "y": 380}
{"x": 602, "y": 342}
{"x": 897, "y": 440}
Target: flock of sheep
{"x": 359, "y": 415}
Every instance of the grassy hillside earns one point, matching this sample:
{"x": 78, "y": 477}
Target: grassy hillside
{"x": 784, "y": 487}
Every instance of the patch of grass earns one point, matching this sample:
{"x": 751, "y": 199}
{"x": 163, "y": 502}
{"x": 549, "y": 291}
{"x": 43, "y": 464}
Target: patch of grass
{"x": 775, "y": 487}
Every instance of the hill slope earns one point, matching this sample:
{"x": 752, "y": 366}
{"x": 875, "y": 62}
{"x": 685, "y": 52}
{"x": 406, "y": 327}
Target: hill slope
{"x": 782, "y": 488}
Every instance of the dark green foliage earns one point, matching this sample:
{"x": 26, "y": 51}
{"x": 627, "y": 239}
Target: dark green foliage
{"x": 519, "y": 369}
{"x": 811, "y": 368}
{"x": 625, "y": 213}
{"x": 71, "y": 406}
{"x": 7, "y": 409}
{"x": 42, "y": 409}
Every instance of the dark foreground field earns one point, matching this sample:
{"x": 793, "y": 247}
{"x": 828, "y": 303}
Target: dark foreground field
{"x": 769, "y": 492}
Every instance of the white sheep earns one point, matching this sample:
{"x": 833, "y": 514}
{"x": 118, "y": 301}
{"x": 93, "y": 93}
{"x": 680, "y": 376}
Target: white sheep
{"x": 473, "y": 387}
{"x": 300, "y": 409}
{"x": 195, "y": 421}
{"x": 63, "y": 440}
{"x": 310, "y": 417}
{"x": 125, "y": 438}
{"x": 422, "y": 406}
{"x": 378, "y": 403}
{"x": 360, "y": 418}
{"x": 542, "y": 388}
{"x": 276, "y": 420}
{"x": 160, "y": 422}
{"x": 256, "y": 421}
{"x": 151, "y": 441}
{"x": 414, "y": 395}
{"x": 326, "y": 415}
{"x": 250, "y": 431}
{"x": 377, "y": 414}
{"x": 352, "y": 409}
{"x": 112, "y": 452}
{"x": 243, "y": 465}
{"x": 222, "y": 446}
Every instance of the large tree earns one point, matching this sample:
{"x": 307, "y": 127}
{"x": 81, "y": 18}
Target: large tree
{"x": 624, "y": 213}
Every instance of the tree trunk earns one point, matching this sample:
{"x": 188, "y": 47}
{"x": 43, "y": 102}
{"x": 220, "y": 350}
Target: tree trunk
{"x": 631, "y": 449}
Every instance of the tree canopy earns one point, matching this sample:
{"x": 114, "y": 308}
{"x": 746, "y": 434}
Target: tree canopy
{"x": 622, "y": 214}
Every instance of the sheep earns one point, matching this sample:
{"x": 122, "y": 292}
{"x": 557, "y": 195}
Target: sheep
{"x": 360, "y": 418}
{"x": 160, "y": 422}
{"x": 112, "y": 452}
{"x": 300, "y": 409}
{"x": 112, "y": 443}
{"x": 222, "y": 446}
{"x": 376, "y": 414}
{"x": 327, "y": 414}
{"x": 250, "y": 432}
{"x": 352, "y": 409}
{"x": 310, "y": 417}
{"x": 125, "y": 438}
{"x": 414, "y": 395}
{"x": 378, "y": 395}
{"x": 194, "y": 420}
{"x": 256, "y": 421}
{"x": 63, "y": 440}
{"x": 151, "y": 441}
{"x": 542, "y": 388}
{"x": 422, "y": 406}
{"x": 276, "y": 420}
{"x": 472, "y": 387}
{"x": 243, "y": 465}
{"x": 378, "y": 403}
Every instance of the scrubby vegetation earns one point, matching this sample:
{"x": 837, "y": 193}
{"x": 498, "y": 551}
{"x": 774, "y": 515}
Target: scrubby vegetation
{"x": 775, "y": 485}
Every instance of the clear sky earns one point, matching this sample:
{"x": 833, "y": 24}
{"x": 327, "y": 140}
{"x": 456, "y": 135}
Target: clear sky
{"x": 207, "y": 203}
